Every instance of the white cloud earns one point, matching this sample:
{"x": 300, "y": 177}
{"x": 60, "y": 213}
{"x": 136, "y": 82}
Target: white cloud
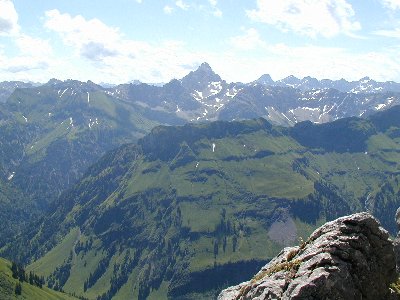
{"x": 28, "y": 53}
{"x": 33, "y": 54}
{"x": 105, "y": 53}
{"x": 33, "y": 46}
{"x": 215, "y": 10}
{"x": 199, "y": 6}
{"x": 281, "y": 60}
{"x": 395, "y": 33}
{"x": 307, "y": 17}
{"x": 8, "y": 18}
{"x": 182, "y": 5}
{"x": 168, "y": 9}
{"x": 139, "y": 1}
{"x": 91, "y": 39}
{"x": 24, "y": 64}
{"x": 392, "y": 4}
{"x": 249, "y": 40}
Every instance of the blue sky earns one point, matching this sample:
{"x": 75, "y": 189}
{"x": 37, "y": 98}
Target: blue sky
{"x": 154, "y": 41}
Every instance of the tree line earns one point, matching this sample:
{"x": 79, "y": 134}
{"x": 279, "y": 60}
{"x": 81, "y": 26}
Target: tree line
{"x": 18, "y": 272}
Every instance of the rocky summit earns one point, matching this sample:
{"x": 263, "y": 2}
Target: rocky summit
{"x": 349, "y": 258}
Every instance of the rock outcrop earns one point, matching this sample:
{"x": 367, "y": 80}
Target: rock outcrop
{"x": 397, "y": 241}
{"x": 349, "y": 258}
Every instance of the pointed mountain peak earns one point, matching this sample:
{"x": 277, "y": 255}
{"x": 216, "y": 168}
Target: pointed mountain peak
{"x": 200, "y": 78}
{"x": 265, "y": 79}
{"x": 290, "y": 80}
{"x": 205, "y": 66}
{"x": 310, "y": 81}
{"x": 205, "y": 70}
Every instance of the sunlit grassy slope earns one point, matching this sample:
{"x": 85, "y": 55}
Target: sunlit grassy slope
{"x": 8, "y": 283}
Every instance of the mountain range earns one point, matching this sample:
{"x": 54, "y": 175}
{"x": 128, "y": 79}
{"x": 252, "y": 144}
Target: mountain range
{"x": 104, "y": 199}
{"x": 85, "y": 120}
{"x": 364, "y": 85}
{"x": 203, "y": 96}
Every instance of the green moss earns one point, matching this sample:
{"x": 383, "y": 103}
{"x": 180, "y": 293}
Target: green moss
{"x": 291, "y": 265}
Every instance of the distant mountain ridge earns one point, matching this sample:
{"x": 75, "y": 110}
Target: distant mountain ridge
{"x": 8, "y": 87}
{"x": 203, "y": 95}
{"x": 364, "y": 85}
{"x": 283, "y": 102}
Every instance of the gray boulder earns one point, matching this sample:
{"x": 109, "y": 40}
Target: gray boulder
{"x": 349, "y": 258}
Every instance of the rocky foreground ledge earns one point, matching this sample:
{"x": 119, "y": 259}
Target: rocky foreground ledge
{"x": 349, "y": 258}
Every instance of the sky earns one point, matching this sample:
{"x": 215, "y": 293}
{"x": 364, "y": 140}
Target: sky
{"x": 155, "y": 41}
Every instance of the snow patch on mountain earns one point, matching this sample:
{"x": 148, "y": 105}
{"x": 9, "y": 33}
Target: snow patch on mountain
{"x": 218, "y": 107}
{"x": 311, "y": 109}
{"x": 286, "y": 117}
{"x": 11, "y": 176}
{"x": 215, "y": 88}
{"x": 63, "y": 92}
{"x": 232, "y": 92}
{"x": 198, "y": 95}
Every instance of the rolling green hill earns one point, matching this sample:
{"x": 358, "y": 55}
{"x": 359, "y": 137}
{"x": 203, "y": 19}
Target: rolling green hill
{"x": 191, "y": 209}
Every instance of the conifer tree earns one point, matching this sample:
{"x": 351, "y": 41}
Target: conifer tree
{"x": 18, "y": 288}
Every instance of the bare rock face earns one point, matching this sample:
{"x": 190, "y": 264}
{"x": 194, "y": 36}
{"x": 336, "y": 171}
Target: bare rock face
{"x": 349, "y": 258}
{"x": 397, "y": 241}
